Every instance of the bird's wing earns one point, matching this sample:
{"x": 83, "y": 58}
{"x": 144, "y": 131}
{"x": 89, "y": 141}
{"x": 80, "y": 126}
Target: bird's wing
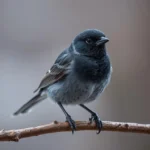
{"x": 60, "y": 68}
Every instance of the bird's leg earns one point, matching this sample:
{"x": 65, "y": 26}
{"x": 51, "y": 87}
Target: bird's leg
{"x": 94, "y": 117}
{"x": 68, "y": 118}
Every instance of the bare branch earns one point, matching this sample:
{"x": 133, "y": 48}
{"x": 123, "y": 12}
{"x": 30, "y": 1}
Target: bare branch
{"x": 15, "y": 135}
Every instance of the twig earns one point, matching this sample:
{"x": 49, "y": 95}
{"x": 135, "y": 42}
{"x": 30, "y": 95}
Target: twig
{"x": 15, "y": 135}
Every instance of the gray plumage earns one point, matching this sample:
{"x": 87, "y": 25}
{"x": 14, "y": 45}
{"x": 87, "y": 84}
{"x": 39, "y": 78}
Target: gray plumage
{"x": 74, "y": 88}
{"x": 79, "y": 74}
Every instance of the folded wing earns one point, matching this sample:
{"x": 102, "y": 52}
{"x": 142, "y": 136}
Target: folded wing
{"x": 60, "y": 68}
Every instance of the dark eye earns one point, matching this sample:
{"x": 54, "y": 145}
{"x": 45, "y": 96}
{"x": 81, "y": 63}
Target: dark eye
{"x": 89, "y": 41}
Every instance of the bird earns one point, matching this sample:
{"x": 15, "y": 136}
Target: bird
{"x": 78, "y": 76}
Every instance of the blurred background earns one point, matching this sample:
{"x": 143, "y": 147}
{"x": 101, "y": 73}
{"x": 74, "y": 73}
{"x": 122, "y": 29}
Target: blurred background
{"x": 34, "y": 32}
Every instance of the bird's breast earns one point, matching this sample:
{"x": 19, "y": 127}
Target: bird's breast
{"x": 92, "y": 70}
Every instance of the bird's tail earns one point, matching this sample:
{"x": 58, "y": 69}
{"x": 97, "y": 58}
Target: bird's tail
{"x": 35, "y": 100}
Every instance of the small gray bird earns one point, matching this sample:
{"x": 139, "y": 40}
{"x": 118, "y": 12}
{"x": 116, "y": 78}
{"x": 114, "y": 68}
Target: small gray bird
{"x": 78, "y": 76}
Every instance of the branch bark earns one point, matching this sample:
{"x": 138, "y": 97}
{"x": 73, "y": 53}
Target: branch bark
{"x": 15, "y": 135}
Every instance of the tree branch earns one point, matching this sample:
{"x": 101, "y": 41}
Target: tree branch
{"x": 15, "y": 135}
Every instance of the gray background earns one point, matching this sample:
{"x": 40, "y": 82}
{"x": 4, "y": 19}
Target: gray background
{"x": 34, "y": 32}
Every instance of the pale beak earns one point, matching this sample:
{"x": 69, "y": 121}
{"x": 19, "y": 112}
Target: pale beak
{"x": 103, "y": 40}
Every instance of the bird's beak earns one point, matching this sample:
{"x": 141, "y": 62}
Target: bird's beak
{"x": 103, "y": 40}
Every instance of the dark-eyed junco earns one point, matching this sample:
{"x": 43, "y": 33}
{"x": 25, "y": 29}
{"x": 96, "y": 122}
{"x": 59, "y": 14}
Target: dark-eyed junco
{"x": 80, "y": 73}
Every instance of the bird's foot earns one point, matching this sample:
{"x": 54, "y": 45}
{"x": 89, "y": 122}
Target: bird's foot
{"x": 71, "y": 123}
{"x": 94, "y": 117}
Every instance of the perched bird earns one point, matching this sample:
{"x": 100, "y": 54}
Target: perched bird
{"x": 78, "y": 76}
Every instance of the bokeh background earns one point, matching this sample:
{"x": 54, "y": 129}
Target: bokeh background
{"x": 34, "y": 32}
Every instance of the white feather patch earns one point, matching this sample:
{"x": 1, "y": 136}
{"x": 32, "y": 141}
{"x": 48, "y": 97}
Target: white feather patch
{"x": 74, "y": 49}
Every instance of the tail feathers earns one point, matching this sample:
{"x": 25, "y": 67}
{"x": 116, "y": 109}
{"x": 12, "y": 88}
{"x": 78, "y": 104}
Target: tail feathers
{"x": 35, "y": 100}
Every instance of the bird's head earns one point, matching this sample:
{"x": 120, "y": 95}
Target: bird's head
{"x": 90, "y": 42}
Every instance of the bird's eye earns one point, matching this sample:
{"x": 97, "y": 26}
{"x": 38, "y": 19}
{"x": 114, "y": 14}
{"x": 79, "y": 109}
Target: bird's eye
{"x": 89, "y": 41}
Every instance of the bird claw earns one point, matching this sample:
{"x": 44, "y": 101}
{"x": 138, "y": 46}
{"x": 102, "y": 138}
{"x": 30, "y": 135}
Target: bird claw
{"x": 94, "y": 117}
{"x": 71, "y": 123}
